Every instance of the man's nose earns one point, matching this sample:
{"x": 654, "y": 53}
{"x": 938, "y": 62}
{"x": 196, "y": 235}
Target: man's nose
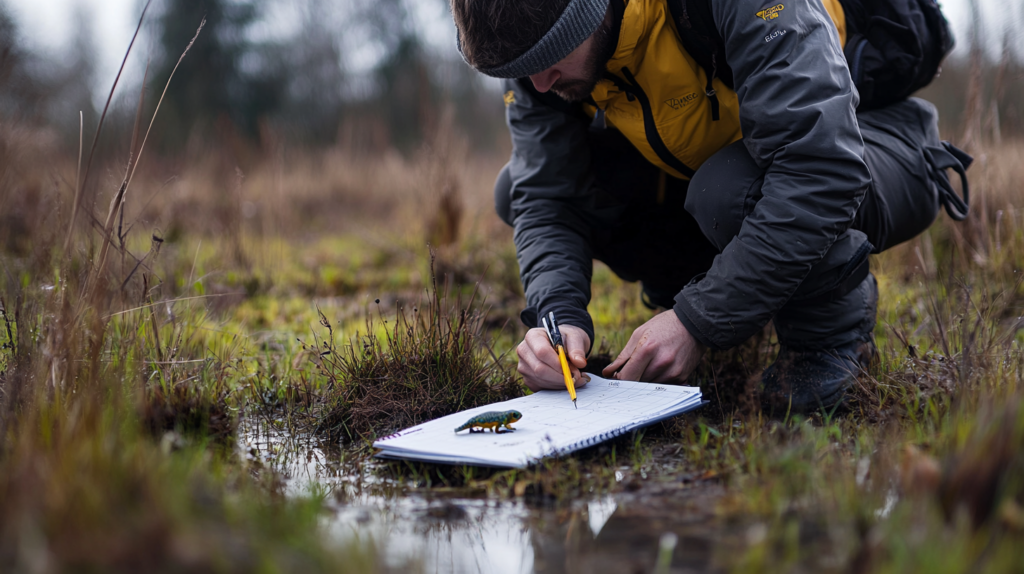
{"x": 544, "y": 80}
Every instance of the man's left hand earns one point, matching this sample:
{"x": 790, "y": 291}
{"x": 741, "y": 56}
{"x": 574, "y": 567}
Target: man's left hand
{"x": 660, "y": 350}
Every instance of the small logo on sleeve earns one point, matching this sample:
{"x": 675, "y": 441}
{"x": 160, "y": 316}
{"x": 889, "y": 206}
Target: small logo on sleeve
{"x": 771, "y": 13}
{"x": 510, "y": 98}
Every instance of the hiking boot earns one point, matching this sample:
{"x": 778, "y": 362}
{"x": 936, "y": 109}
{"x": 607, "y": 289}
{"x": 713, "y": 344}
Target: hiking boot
{"x": 805, "y": 381}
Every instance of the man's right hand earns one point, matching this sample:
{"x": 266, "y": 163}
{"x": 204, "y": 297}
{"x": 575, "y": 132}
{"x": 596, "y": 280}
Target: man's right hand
{"x": 538, "y": 361}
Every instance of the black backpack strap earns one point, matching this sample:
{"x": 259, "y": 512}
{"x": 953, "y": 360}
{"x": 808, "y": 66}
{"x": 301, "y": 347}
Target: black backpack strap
{"x": 951, "y": 157}
{"x": 695, "y": 24}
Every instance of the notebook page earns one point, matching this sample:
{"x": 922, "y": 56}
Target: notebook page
{"x": 549, "y": 425}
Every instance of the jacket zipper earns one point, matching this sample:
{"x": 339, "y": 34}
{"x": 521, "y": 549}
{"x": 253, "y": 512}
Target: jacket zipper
{"x": 710, "y": 89}
{"x": 633, "y": 90}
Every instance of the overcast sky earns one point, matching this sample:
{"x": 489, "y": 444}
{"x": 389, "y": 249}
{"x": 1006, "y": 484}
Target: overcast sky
{"x": 47, "y": 24}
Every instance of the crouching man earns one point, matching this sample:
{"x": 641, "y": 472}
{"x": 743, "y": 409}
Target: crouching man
{"x": 738, "y": 185}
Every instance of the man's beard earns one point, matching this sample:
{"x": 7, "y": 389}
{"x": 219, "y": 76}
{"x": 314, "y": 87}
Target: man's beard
{"x": 578, "y": 89}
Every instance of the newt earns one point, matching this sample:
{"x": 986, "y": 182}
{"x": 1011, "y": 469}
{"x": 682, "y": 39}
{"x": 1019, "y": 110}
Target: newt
{"x": 493, "y": 420}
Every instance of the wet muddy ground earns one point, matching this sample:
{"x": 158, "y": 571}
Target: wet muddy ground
{"x": 464, "y": 530}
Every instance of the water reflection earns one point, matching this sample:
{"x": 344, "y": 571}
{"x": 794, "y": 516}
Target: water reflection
{"x": 628, "y": 541}
{"x": 461, "y": 535}
{"x": 449, "y": 530}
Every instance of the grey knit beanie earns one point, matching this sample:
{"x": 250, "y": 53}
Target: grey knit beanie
{"x": 580, "y": 19}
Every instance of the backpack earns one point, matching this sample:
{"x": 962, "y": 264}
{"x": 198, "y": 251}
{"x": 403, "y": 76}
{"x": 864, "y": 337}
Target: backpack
{"x": 893, "y": 47}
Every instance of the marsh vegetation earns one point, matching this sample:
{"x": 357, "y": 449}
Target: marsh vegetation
{"x": 193, "y": 367}
{"x": 124, "y": 385}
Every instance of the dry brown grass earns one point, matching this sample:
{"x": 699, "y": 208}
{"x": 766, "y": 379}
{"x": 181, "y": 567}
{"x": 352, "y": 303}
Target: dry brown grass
{"x": 439, "y": 193}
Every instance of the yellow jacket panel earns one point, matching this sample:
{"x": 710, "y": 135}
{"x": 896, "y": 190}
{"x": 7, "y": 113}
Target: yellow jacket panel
{"x": 656, "y": 94}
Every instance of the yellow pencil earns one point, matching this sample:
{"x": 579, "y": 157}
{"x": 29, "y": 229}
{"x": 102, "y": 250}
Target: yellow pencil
{"x": 555, "y": 336}
{"x": 569, "y": 384}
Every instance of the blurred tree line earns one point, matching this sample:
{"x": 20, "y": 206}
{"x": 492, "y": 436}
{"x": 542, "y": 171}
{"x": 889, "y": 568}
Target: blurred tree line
{"x": 45, "y": 90}
{"x": 361, "y": 74}
{"x": 358, "y": 71}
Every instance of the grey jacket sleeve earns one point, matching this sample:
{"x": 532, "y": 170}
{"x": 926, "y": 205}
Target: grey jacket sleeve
{"x": 797, "y": 107}
{"x": 551, "y": 199}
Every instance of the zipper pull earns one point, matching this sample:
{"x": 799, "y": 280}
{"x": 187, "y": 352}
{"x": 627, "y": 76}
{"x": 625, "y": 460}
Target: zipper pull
{"x": 710, "y": 92}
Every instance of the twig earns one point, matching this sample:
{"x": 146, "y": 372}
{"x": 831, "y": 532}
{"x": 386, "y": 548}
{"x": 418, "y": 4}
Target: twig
{"x": 96, "y": 138}
{"x": 118, "y": 201}
{"x": 154, "y": 249}
{"x": 170, "y": 301}
{"x": 164, "y": 93}
{"x": 156, "y": 335}
{"x": 133, "y": 163}
{"x": 81, "y": 144}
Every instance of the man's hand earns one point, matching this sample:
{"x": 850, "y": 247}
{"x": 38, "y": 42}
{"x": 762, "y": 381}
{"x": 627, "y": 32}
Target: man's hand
{"x": 538, "y": 361}
{"x": 659, "y": 350}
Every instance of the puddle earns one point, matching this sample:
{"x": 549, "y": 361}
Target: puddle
{"x": 447, "y": 530}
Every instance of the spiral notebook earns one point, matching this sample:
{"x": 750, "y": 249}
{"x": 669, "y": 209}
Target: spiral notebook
{"x": 550, "y": 425}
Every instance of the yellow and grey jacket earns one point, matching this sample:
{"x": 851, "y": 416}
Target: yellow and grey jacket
{"x": 793, "y": 106}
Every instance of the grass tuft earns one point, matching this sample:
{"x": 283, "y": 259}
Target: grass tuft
{"x": 427, "y": 363}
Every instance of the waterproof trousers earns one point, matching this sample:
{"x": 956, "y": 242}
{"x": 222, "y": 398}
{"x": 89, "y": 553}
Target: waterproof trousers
{"x": 665, "y": 232}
